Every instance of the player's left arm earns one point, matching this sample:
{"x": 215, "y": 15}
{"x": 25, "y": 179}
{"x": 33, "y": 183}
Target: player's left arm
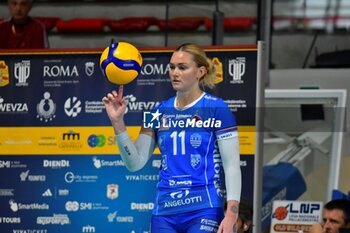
{"x": 229, "y": 150}
{"x": 227, "y": 139}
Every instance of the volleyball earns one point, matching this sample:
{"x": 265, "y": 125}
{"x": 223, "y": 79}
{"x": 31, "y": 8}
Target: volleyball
{"x": 121, "y": 63}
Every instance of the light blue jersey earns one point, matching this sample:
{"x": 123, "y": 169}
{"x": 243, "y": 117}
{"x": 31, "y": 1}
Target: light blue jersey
{"x": 191, "y": 176}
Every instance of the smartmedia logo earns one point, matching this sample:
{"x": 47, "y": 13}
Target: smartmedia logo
{"x": 155, "y": 121}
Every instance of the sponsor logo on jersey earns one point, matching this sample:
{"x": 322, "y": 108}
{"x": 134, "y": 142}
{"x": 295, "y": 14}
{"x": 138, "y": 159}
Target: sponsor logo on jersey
{"x": 155, "y": 121}
{"x": 196, "y": 161}
{"x": 195, "y": 140}
{"x": 182, "y": 198}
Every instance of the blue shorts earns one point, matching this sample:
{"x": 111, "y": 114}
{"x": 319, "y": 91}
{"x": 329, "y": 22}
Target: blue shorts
{"x": 205, "y": 220}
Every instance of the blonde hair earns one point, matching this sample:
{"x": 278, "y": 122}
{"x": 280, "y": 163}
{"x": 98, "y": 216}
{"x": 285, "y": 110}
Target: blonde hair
{"x": 201, "y": 59}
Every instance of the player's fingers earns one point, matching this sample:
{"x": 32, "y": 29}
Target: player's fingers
{"x": 220, "y": 229}
{"x": 114, "y": 93}
{"x": 121, "y": 90}
{"x": 110, "y": 96}
{"x": 105, "y": 100}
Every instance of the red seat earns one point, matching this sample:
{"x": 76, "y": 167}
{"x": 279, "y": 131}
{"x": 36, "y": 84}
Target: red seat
{"x": 49, "y": 22}
{"x": 182, "y": 23}
{"x": 82, "y": 25}
{"x": 234, "y": 23}
{"x": 132, "y": 24}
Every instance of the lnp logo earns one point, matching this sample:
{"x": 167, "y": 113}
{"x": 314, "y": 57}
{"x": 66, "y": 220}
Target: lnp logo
{"x": 89, "y": 68}
{"x": 22, "y": 72}
{"x": 46, "y": 108}
{"x": 4, "y": 74}
{"x": 151, "y": 120}
{"x": 112, "y": 191}
{"x": 236, "y": 69}
{"x": 72, "y": 106}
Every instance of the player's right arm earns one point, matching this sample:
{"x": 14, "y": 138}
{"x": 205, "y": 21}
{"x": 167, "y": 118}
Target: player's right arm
{"x": 135, "y": 155}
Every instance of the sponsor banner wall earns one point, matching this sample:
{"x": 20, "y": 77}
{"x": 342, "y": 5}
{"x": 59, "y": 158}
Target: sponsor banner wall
{"x": 295, "y": 216}
{"x": 61, "y": 166}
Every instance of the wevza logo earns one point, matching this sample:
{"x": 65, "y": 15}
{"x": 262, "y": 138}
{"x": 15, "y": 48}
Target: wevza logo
{"x": 14, "y": 206}
{"x": 12, "y": 107}
{"x": 114, "y": 217}
{"x": 56, "y": 219}
{"x": 56, "y": 164}
{"x": 155, "y": 69}
{"x": 154, "y": 120}
{"x": 182, "y": 198}
{"x": 138, "y": 106}
{"x": 22, "y": 72}
{"x": 60, "y": 71}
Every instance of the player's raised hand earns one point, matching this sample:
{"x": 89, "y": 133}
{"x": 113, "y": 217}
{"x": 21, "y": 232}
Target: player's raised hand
{"x": 115, "y": 104}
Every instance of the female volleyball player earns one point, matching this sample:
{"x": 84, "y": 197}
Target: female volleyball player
{"x": 197, "y": 136}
